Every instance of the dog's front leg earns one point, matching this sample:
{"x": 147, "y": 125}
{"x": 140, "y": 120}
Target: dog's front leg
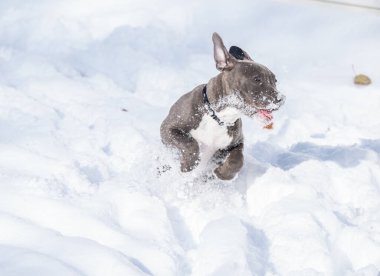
{"x": 188, "y": 149}
{"x": 232, "y": 164}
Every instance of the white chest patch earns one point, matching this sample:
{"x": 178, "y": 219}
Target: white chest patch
{"x": 211, "y": 136}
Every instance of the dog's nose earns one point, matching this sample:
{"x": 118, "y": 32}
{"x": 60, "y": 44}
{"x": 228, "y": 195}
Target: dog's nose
{"x": 280, "y": 99}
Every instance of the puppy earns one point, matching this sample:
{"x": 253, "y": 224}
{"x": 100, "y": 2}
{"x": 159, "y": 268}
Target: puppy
{"x": 205, "y": 124}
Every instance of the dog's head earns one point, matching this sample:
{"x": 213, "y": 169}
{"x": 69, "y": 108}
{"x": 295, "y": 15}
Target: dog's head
{"x": 252, "y": 82}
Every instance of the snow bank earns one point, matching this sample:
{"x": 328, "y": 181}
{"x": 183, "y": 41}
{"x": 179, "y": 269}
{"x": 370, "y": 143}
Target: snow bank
{"x": 83, "y": 90}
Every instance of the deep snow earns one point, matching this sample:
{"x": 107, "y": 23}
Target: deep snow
{"x": 84, "y": 86}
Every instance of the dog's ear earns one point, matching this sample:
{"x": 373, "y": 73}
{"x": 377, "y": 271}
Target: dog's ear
{"x": 223, "y": 60}
{"x": 239, "y": 53}
{"x": 247, "y": 56}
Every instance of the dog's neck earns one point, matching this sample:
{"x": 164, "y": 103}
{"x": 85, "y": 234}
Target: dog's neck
{"x": 216, "y": 91}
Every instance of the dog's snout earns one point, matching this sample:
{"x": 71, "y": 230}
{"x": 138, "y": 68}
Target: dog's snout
{"x": 280, "y": 99}
{"x": 277, "y": 100}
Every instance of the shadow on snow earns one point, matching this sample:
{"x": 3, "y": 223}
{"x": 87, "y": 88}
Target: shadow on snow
{"x": 344, "y": 156}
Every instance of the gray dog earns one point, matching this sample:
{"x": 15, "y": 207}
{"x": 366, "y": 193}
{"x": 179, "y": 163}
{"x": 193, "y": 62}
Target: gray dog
{"x": 204, "y": 125}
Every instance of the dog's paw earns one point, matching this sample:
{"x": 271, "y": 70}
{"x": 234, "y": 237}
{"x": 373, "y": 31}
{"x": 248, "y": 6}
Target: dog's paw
{"x": 189, "y": 166}
{"x": 189, "y": 161}
{"x": 223, "y": 174}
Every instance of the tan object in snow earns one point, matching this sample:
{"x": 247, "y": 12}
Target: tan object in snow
{"x": 362, "y": 79}
{"x": 269, "y": 126}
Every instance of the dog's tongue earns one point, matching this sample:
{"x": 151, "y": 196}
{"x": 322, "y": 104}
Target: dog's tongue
{"x": 265, "y": 114}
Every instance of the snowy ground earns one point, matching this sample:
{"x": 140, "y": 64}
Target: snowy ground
{"x": 84, "y": 86}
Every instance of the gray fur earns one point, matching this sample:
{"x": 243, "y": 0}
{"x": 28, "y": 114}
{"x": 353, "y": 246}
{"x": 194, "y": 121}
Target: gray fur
{"x": 250, "y": 82}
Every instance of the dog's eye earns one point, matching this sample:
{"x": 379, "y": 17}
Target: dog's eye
{"x": 257, "y": 79}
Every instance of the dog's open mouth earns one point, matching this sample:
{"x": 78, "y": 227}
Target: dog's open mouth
{"x": 265, "y": 114}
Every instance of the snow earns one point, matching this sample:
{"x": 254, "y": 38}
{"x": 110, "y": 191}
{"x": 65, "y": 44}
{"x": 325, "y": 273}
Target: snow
{"x": 84, "y": 87}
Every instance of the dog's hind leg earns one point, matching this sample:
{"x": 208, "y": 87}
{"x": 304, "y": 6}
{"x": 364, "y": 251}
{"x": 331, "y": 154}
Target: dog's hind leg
{"x": 232, "y": 164}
